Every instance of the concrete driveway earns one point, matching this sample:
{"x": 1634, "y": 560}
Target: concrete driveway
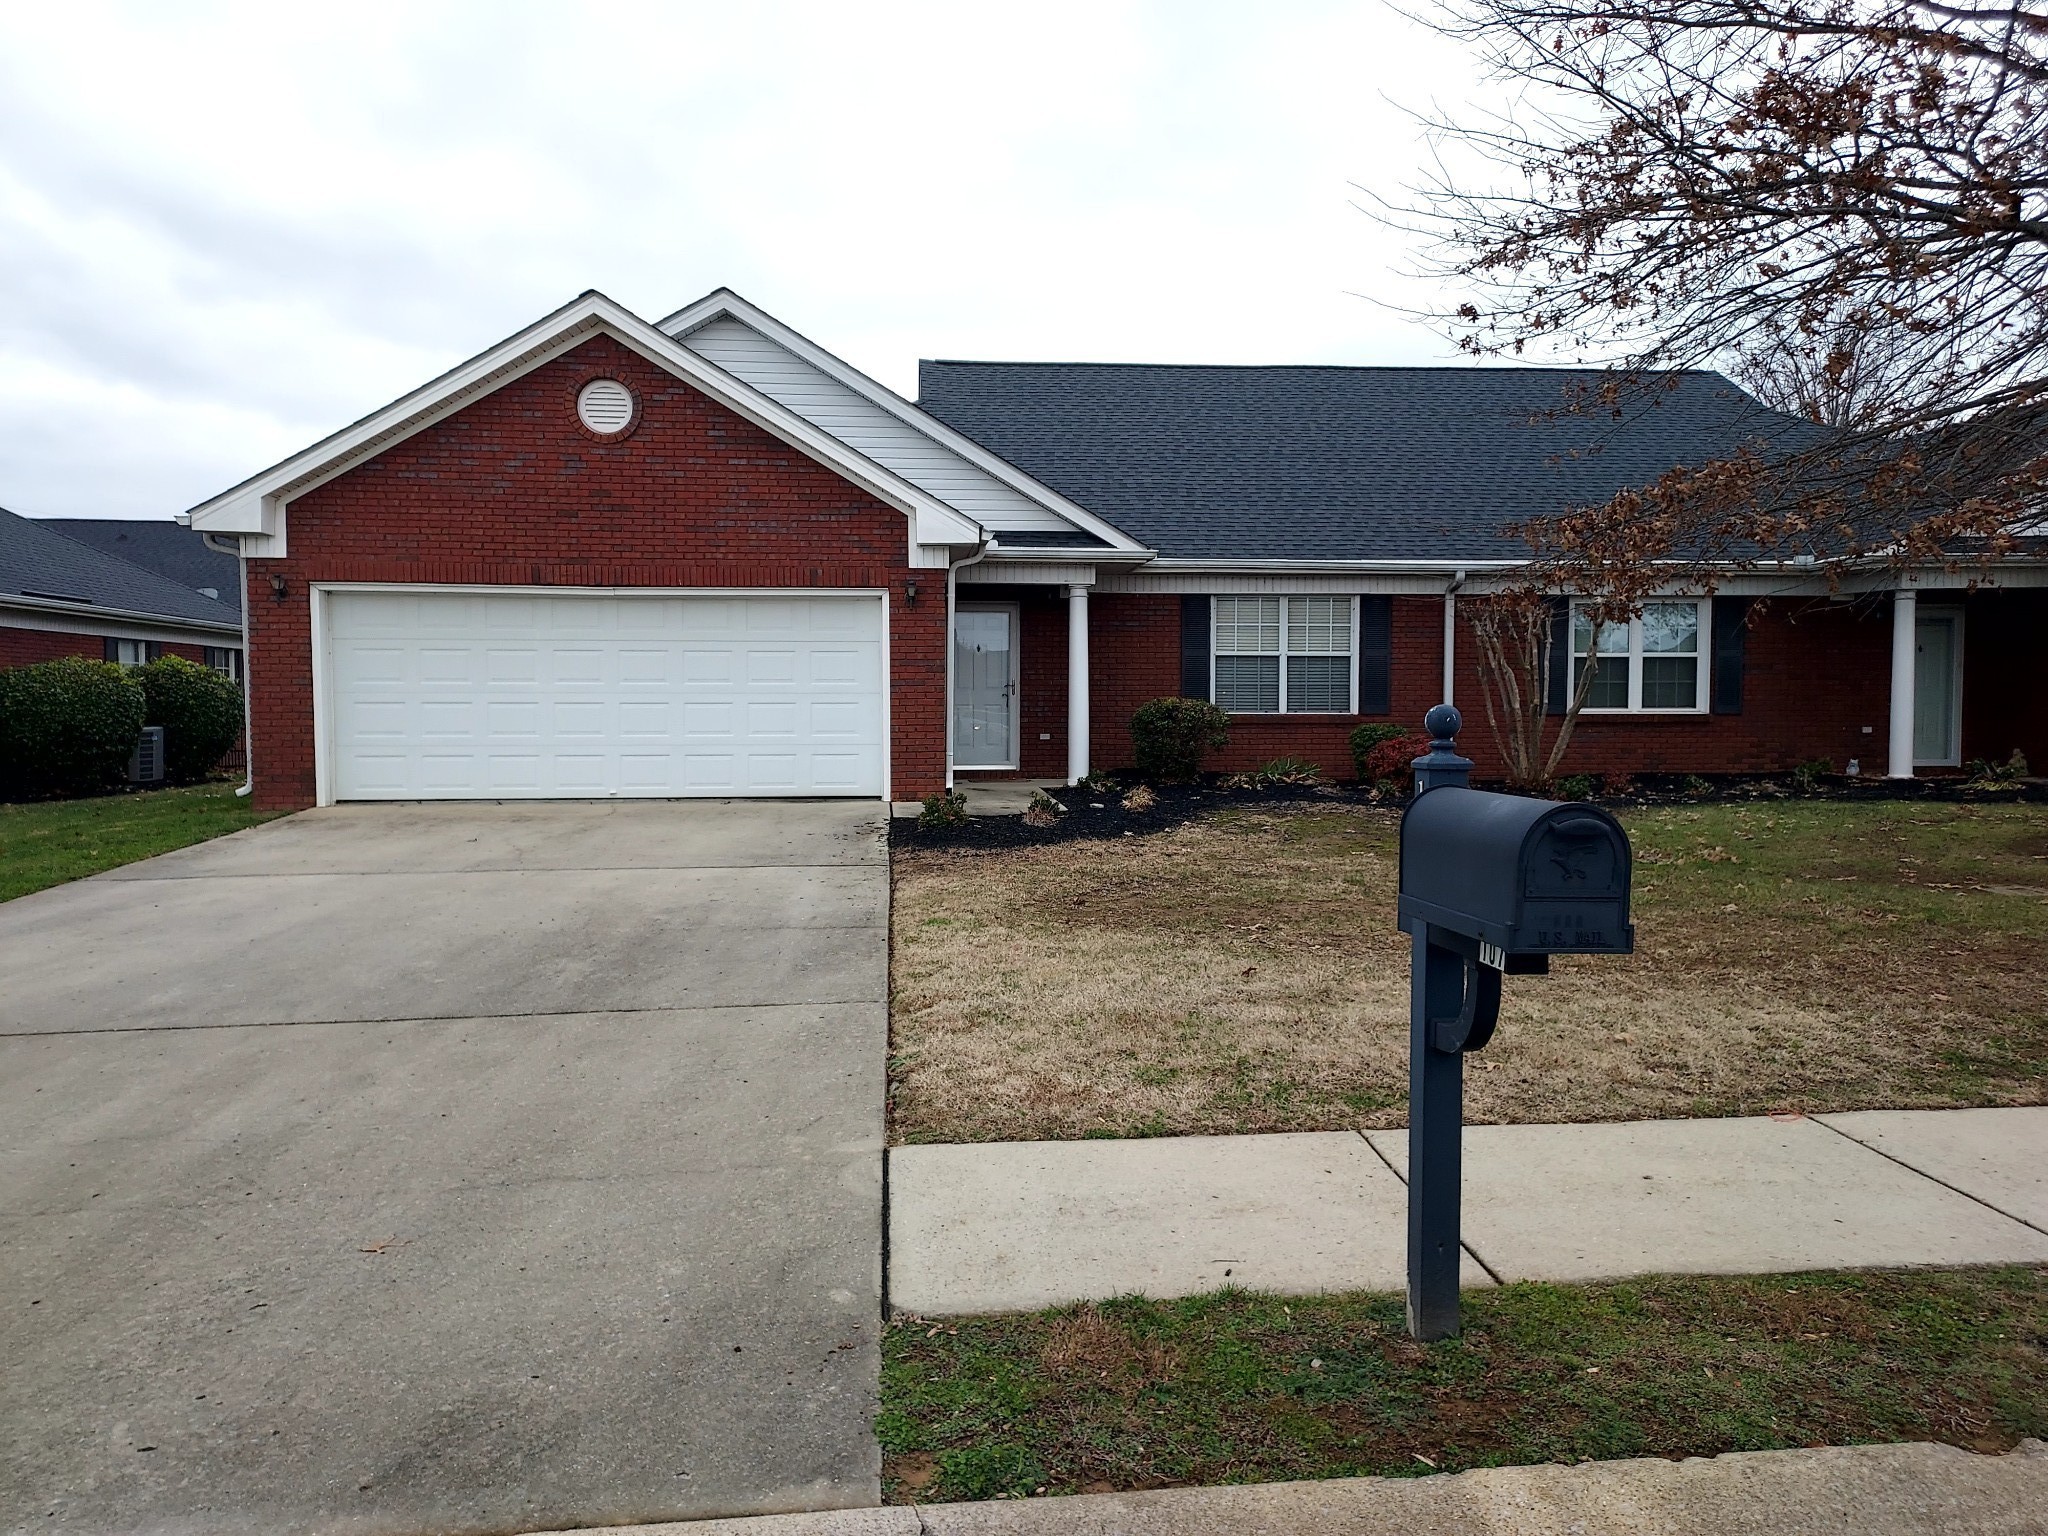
{"x": 447, "y": 1168}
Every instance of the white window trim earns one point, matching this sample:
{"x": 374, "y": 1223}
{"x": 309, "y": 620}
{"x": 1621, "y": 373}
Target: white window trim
{"x": 1703, "y": 679}
{"x": 1350, "y": 671}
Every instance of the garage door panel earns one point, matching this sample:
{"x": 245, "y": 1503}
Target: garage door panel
{"x": 453, "y": 695}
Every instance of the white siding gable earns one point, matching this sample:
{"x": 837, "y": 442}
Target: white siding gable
{"x": 787, "y": 379}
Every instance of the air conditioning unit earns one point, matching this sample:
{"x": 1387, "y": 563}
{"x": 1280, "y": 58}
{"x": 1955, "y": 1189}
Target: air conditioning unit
{"x": 147, "y": 765}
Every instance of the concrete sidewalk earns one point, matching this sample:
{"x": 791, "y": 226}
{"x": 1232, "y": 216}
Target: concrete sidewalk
{"x": 1876, "y": 1490}
{"x": 1005, "y": 1227}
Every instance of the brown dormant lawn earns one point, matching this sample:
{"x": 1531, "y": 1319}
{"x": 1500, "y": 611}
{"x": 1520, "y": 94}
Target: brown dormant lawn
{"x": 1243, "y": 973}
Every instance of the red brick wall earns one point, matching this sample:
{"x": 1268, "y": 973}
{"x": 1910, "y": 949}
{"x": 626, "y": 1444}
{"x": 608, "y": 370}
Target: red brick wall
{"x": 20, "y": 647}
{"x": 1815, "y": 674}
{"x": 512, "y": 490}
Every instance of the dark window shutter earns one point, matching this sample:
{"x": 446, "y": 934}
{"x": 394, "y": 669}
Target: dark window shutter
{"x": 153, "y": 651}
{"x": 1375, "y": 655}
{"x": 1731, "y": 634}
{"x": 1194, "y": 647}
{"x": 1560, "y": 657}
{"x": 113, "y": 649}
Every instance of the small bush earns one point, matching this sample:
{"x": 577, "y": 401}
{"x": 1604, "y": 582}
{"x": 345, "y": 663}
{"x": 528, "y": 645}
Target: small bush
{"x": 948, "y": 808}
{"x": 1174, "y": 735}
{"x": 1371, "y": 735}
{"x": 1281, "y": 771}
{"x": 1390, "y": 761}
{"x": 67, "y": 726}
{"x": 1697, "y": 787}
{"x": 1806, "y": 777}
{"x": 1043, "y": 810}
{"x": 1099, "y": 783}
{"x": 1985, "y": 774}
{"x": 1140, "y": 799}
{"x": 200, "y": 710}
{"x": 1578, "y": 786}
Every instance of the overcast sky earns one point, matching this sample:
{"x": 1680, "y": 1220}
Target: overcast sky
{"x": 227, "y": 230}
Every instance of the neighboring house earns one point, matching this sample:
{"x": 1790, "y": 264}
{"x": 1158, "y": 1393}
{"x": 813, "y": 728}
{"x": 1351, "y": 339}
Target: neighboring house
{"x": 60, "y": 597}
{"x": 170, "y": 549}
{"x": 705, "y": 557}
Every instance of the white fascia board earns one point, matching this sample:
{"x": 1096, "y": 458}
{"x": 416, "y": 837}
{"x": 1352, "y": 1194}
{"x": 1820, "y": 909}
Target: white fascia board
{"x": 40, "y": 614}
{"x": 724, "y": 302}
{"x": 256, "y": 505}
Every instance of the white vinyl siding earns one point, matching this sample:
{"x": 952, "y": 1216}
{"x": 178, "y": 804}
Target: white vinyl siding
{"x": 437, "y": 695}
{"x": 1656, "y": 663}
{"x": 864, "y": 426}
{"x": 1285, "y": 655}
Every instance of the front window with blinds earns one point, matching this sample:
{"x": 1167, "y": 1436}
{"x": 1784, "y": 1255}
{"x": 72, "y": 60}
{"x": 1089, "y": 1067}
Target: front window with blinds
{"x": 1285, "y": 655}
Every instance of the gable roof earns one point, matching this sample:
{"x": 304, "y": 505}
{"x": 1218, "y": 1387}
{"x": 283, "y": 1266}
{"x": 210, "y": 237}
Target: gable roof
{"x": 1021, "y": 512}
{"x": 1332, "y": 463}
{"x": 257, "y": 505}
{"x": 175, "y": 553}
{"x": 44, "y": 569}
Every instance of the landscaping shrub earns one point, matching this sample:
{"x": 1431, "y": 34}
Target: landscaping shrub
{"x": 1140, "y": 799}
{"x": 1578, "y": 786}
{"x": 1371, "y": 735}
{"x": 1388, "y": 761}
{"x": 67, "y": 726}
{"x": 1296, "y": 771}
{"x": 948, "y": 808}
{"x": 1043, "y": 810}
{"x": 1099, "y": 783}
{"x": 200, "y": 710}
{"x": 1174, "y": 735}
{"x": 1807, "y": 776}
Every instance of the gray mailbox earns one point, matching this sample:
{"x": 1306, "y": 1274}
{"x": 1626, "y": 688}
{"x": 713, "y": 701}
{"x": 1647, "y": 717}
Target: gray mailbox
{"x": 1491, "y": 885}
{"x": 1524, "y": 877}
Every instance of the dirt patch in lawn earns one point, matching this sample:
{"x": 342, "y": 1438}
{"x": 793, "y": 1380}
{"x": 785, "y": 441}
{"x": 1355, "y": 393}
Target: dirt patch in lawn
{"x": 1243, "y": 973}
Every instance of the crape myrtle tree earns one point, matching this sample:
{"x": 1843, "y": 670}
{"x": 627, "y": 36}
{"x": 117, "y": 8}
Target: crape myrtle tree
{"x": 1844, "y": 204}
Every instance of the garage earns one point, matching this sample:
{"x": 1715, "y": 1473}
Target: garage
{"x": 460, "y": 694}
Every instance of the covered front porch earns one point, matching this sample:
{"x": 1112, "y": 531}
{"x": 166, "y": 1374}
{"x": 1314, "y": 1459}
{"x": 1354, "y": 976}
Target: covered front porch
{"x": 1968, "y": 678}
{"x": 1020, "y": 681}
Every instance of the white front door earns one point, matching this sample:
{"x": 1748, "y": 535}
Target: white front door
{"x": 985, "y": 688}
{"x": 461, "y": 695}
{"x": 1937, "y": 691}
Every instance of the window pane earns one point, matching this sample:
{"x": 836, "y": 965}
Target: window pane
{"x": 1248, "y": 684}
{"x": 1319, "y": 626}
{"x": 1319, "y": 684}
{"x": 1670, "y": 682}
{"x": 1248, "y": 626}
{"x": 1610, "y": 683}
{"x": 1672, "y": 627}
{"x": 1613, "y": 637}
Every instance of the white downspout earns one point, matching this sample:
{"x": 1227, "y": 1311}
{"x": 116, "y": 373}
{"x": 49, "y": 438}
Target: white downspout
{"x": 1905, "y": 614}
{"x": 248, "y": 711}
{"x": 1451, "y": 636}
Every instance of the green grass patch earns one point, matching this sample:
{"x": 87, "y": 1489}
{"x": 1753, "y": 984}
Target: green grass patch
{"x": 49, "y": 842}
{"x": 1239, "y": 1387}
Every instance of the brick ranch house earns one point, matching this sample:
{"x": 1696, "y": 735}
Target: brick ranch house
{"x": 64, "y": 591}
{"x": 706, "y": 557}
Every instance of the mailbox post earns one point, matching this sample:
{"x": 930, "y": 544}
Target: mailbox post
{"x": 1491, "y": 885}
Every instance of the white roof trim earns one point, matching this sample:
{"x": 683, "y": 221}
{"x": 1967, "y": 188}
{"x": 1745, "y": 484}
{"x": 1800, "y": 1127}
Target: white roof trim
{"x": 723, "y": 302}
{"x": 257, "y": 504}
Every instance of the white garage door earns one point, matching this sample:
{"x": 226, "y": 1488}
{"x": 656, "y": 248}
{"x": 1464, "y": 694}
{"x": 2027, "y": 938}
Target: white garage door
{"x": 469, "y": 695}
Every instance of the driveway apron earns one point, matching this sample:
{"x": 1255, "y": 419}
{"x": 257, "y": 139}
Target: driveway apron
{"x": 447, "y": 1168}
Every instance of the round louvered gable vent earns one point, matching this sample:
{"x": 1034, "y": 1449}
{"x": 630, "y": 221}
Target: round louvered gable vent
{"x": 605, "y": 406}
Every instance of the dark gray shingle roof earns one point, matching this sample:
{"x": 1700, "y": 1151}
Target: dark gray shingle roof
{"x": 39, "y": 562}
{"x": 173, "y": 551}
{"x": 1325, "y": 463}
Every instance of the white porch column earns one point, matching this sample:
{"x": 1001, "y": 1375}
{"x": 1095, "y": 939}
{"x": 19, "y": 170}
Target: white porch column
{"x": 1899, "y": 755}
{"x": 1077, "y": 684}
{"x": 1450, "y": 644}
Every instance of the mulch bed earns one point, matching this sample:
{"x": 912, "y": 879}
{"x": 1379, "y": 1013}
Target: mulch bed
{"x": 1095, "y": 816}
